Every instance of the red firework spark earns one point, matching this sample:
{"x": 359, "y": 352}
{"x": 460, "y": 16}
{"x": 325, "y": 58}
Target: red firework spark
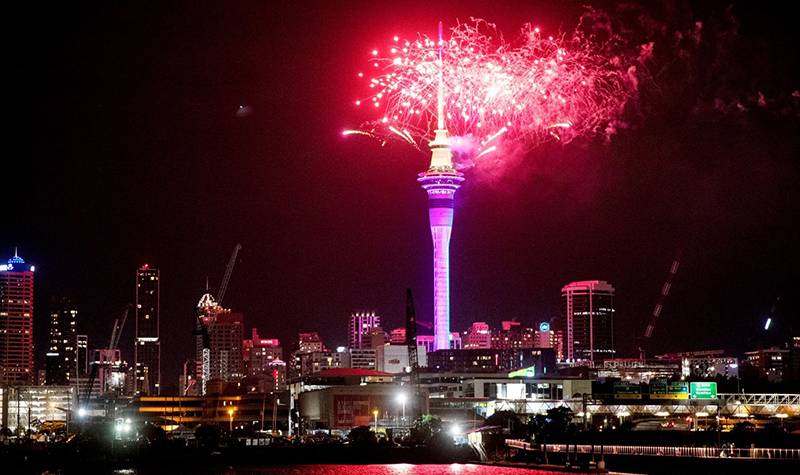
{"x": 529, "y": 92}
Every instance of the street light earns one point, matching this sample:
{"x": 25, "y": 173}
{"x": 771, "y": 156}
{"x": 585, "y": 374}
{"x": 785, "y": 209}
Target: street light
{"x": 53, "y": 408}
{"x": 375, "y": 413}
{"x": 402, "y": 398}
{"x": 230, "y": 414}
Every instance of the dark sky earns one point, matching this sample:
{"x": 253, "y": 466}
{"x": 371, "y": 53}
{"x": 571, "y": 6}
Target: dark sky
{"x": 123, "y": 147}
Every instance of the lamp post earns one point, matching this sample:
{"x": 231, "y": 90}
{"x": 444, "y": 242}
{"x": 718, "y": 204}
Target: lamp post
{"x": 403, "y": 398}
{"x": 230, "y": 415}
{"x": 53, "y": 409}
{"x": 375, "y": 413}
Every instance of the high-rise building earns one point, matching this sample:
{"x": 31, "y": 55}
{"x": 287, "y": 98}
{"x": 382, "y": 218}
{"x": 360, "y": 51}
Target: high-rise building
{"x": 361, "y": 324}
{"x": 16, "y": 322}
{"x": 226, "y": 332}
{"x": 62, "y": 354}
{"x": 83, "y": 354}
{"x": 147, "y": 347}
{"x": 513, "y": 335}
{"x": 375, "y": 338}
{"x": 441, "y": 181}
{"x": 316, "y": 361}
{"x": 767, "y": 363}
{"x": 477, "y": 336}
{"x": 362, "y": 358}
{"x": 588, "y": 320}
{"x": 397, "y": 336}
{"x": 306, "y": 343}
{"x": 260, "y": 352}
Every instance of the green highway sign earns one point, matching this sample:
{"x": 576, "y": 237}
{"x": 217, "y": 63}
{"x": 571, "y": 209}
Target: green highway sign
{"x": 627, "y": 391}
{"x": 660, "y": 389}
{"x": 703, "y": 390}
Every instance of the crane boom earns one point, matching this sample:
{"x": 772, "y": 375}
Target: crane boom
{"x": 411, "y": 341}
{"x": 660, "y": 305}
{"x": 224, "y": 285}
{"x": 116, "y": 332}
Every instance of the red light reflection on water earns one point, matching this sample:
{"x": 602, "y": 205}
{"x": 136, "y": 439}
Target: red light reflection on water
{"x": 389, "y": 469}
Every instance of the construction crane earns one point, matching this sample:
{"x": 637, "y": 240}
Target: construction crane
{"x": 660, "y": 305}
{"x": 208, "y": 309}
{"x": 413, "y": 362}
{"x": 116, "y": 333}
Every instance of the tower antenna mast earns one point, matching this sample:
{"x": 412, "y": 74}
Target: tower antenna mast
{"x": 441, "y": 182}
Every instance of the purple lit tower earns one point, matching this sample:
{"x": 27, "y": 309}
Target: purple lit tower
{"x": 441, "y": 182}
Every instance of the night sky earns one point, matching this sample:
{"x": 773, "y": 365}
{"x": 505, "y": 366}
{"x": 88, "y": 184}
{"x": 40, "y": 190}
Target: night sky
{"x": 124, "y": 147}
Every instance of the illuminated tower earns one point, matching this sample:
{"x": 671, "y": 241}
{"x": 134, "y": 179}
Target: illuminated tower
{"x": 16, "y": 322}
{"x": 441, "y": 182}
{"x": 147, "y": 349}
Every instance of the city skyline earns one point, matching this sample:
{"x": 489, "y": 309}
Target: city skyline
{"x": 175, "y": 168}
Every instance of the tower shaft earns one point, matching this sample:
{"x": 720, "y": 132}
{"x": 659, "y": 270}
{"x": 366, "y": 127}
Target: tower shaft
{"x": 441, "y": 182}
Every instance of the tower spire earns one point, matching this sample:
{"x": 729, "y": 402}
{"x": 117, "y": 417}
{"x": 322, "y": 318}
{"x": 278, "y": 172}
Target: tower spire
{"x": 441, "y": 157}
{"x": 440, "y": 93}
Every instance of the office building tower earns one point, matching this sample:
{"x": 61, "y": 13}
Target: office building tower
{"x": 588, "y": 320}
{"x": 83, "y": 354}
{"x": 513, "y": 335}
{"x": 16, "y": 322}
{"x": 259, "y": 353}
{"x": 316, "y": 361}
{"x": 306, "y": 343}
{"x": 375, "y": 338}
{"x": 477, "y": 336}
{"x": 397, "y": 336}
{"x": 62, "y": 353}
{"x": 226, "y": 332}
{"x": 147, "y": 346}
{"x": 361, "y": 323}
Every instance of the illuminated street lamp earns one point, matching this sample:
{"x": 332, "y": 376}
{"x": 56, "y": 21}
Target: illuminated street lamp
{"x": 402, "y": 398}
{"x": 53, "y": 409}
{"x": 230, "y": 415}
{"x": 375, "y": 413}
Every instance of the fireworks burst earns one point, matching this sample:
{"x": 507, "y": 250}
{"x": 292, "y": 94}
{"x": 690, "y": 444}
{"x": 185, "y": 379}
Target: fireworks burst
{"x": 530, "y": 92}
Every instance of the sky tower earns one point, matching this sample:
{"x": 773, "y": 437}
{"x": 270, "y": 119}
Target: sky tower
{"x": 441, "y": 182}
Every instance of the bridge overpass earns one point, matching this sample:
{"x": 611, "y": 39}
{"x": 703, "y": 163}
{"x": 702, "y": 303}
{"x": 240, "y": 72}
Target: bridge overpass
{"x": 725, "y": 405}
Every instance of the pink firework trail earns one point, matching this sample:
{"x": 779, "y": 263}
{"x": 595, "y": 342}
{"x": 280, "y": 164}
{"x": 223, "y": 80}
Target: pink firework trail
{"x": 538, "y": 89}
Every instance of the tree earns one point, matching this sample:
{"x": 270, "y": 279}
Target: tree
{"x": 425, "y": 428}
{"x": 545, "y": 428}
{"x": 208, "y": 436}
{"x": 361, "y": 435}
{"x": 509, "y": 421}
{"x": 152, "y": 433}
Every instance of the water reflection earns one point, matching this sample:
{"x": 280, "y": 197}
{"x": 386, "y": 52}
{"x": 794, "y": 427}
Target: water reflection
{"x": 390, "y": 469}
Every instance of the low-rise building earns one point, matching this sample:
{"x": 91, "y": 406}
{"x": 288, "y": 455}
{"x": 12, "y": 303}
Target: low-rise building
{"x": 394, "y": 358}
